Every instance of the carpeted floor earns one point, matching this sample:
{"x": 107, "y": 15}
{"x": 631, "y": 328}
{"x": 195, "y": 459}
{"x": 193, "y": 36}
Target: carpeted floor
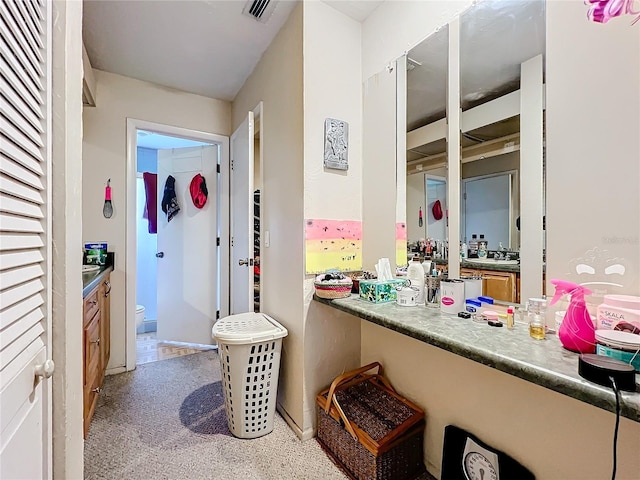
{"x": 166, "y": 420}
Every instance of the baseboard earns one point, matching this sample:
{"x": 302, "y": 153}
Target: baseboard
{"x": 302, "y": 435}
{"x": 115, "y": 370}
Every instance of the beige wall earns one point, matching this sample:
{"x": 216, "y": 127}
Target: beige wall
{"x": 277, "y": 82}
{"x": 593, "y": 146}
{"x": 332, "y": 88}
{"x": 556, "y": 437}
{"x": 588, "y": 159}
{"x": 66, "y": 186}
{"x": 104, "y": 156}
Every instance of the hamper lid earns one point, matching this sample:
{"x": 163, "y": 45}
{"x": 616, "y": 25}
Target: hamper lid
{"x": 246, "y": 328}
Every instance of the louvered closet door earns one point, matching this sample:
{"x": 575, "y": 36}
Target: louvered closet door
{"x": 25, "y": 260}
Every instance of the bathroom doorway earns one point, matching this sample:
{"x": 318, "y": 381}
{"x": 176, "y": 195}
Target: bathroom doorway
{"x": 177, "y": 287}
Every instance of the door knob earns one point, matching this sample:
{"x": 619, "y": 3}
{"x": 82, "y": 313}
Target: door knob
{"x": 160, "y": 254}
{"x": 246, "y": 261}
{"x": 46, "y": 369}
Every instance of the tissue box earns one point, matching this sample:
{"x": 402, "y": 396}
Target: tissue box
{"x": 380, "y": 292}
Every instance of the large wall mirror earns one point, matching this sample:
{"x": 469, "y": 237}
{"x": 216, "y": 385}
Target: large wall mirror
{"x": 501, "y": 87}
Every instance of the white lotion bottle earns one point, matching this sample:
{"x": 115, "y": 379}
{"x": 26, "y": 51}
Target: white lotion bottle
{"x": 415, "y": 274}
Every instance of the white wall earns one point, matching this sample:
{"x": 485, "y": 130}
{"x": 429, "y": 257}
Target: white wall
{"x": 593, "y": 146}
{"x": 104, "y": 157}
{"x": 415, "y": 199}
{"x": 397, "y": 26}
{"x": 332, "y": 88}
{"x": 277, "y": 81}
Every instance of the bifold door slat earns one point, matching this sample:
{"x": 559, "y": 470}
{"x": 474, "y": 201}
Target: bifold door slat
{"x": 18, "y": 189}
{"x": 14, "y": 313}
{"x": 19, "y": 259}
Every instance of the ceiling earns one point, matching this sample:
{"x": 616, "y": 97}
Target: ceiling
{"x": 495, "y": 38}
{"x": 206, "y": 47}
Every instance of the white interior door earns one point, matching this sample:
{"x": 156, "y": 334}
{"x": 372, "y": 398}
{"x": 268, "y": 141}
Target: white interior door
{"x": 242, "y": 217}
{"x": 188, "y": 276}
{"x": 25, "y": 243}
{"x": 487, "y": 209}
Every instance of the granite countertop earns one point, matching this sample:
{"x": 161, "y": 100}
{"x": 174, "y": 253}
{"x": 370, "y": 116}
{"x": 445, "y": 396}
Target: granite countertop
{"x": 488, "y": 265}
{"x": 91, "y": 280}
{"x": 543, "y": 362}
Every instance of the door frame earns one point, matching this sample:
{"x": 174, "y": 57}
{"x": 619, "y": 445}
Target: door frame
{"x": 258, "y": 127}
{"x": 133, "y": 125}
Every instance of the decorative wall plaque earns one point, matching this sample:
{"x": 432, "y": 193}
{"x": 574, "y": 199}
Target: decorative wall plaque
{"x": 336, "y": 144}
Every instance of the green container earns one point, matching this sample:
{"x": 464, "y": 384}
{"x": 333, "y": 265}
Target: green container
{"x": 380, "y": 292}
{"x": 632, "y": 358}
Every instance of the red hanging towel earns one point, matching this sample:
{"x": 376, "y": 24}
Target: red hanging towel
{"x": 437, "y": 210}
{"x": 198, "y": 190}
{"x": 151, "y": 204}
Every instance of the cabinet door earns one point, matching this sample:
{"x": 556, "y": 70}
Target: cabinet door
{"x": 469, "y": 272}
{"x": 498, "y": 285}
{"x": 92, "y": 367}
{"x": 104, "y": 295}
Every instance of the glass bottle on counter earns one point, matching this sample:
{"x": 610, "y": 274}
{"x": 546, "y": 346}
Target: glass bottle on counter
{"x": 536, "y": 315}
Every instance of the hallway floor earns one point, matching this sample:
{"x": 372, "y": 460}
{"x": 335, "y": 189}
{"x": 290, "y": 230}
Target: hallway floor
{"x": 149, "y": 349}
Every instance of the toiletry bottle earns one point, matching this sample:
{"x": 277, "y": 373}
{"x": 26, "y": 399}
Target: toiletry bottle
{"x": 536, "y": 316}
{"x": 482, "y": 247}
{"x": 415, "y": 274}
{"x": 426, "y": 266}
{"x": 577, "y": 331}
{"x": 473, "y": 245}
{"x": 510, "y": 322}
{"x": 463, "y": 251}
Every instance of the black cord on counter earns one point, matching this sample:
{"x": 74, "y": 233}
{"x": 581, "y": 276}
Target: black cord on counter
{"x": 615, "y": 431}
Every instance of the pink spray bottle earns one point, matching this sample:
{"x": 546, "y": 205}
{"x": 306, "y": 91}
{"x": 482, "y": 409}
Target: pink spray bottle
{"x": 577, "y": 332}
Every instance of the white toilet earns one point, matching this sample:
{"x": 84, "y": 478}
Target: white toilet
{"x": 139, "y": 315}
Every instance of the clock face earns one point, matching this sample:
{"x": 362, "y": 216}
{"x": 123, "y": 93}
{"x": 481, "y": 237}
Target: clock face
{"x": 478, "y": 467}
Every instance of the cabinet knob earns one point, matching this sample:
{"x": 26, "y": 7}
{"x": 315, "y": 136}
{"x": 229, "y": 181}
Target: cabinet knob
{"x": 93, "y": 302}
{"x": 97, "y": 390}
{"x": 46, "y": 369}
{"x": 108, "y": 285}
{"x": 96, "y": 341}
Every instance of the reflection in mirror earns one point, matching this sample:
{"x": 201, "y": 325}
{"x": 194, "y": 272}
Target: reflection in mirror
{"x": 499, "y": 125}
{"x": 502, "y": 45}
{"x": 427, "y": 147}
{"x": 490, "y": 189}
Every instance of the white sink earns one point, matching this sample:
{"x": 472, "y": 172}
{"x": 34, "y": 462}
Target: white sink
{"x": 491, "y": 261}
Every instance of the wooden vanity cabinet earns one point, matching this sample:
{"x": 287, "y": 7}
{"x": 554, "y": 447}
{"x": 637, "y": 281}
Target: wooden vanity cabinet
{"x": 96, "y": 346}
{"x": 496, "y": 284}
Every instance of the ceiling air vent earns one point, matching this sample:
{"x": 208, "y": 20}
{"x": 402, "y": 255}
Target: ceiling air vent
{"x": 261, "y": 10}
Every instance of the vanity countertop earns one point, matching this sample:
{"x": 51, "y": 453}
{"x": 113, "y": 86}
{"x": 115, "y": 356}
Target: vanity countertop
{"x": 488, "y": 265}
{"x": 92, "y": 279}
{"x": 543, "y": 362}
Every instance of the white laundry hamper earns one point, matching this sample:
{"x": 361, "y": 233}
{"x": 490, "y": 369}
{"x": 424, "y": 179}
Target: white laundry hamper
{"x": 249, "y": 346}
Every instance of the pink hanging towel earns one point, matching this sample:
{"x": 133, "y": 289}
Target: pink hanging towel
{"x": 151, "y": 204}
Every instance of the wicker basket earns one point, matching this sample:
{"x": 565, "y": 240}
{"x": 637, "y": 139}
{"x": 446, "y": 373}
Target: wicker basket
{"x": 369, "y": 430}
{"x": 332, "y": 290}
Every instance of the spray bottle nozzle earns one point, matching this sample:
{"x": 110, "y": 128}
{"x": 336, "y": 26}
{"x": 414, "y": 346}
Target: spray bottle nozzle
{"x": 576, "y": 291}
